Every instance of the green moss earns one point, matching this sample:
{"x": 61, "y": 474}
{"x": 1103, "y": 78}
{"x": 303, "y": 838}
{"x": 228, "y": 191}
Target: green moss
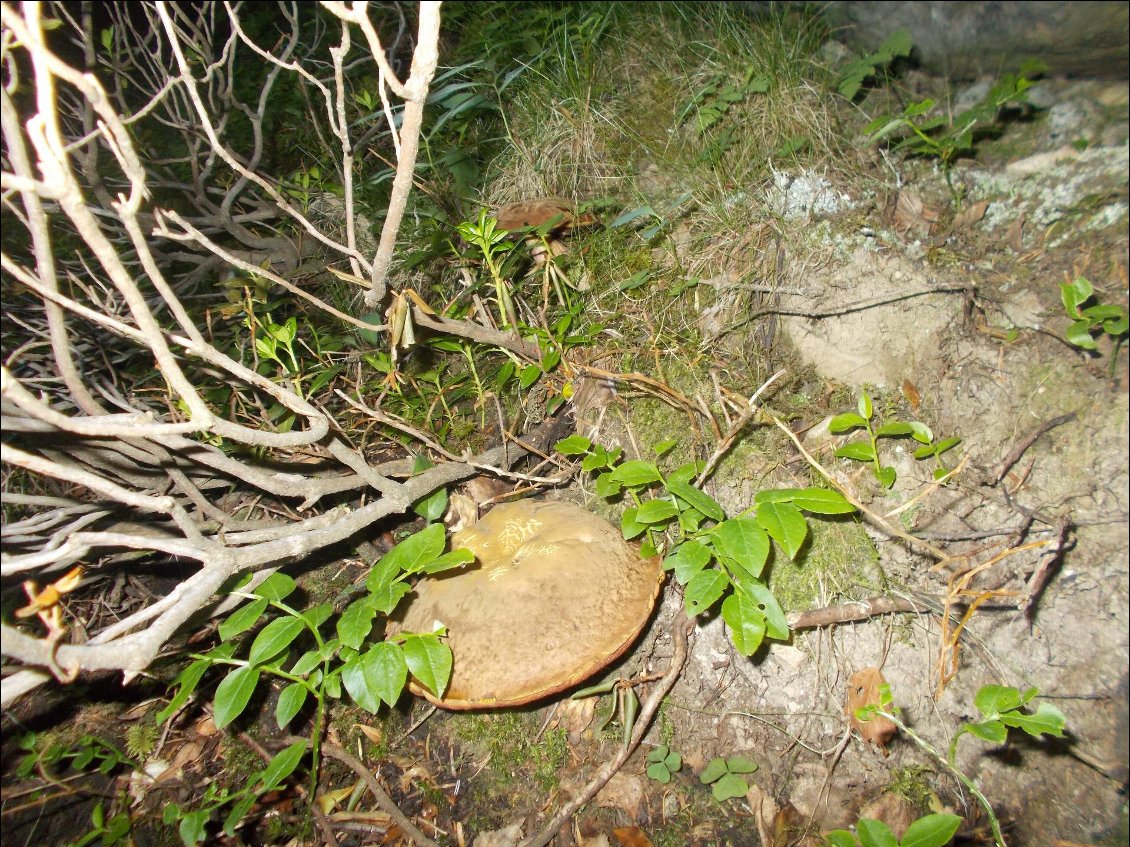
{"x": 913, "y": 783}
{"x": 838, "y": 558}
{"x": 515, "y": 756}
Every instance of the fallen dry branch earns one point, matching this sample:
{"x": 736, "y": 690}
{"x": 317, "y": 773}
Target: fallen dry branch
{"x": 679, "y": 629}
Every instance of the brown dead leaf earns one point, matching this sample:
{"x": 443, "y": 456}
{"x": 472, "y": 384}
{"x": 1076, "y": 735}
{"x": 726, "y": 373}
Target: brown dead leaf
{"x": 910, "y": 392}
{"x": 969, "y": 216}
{"x": 1014, "y": 235}
{"x": 373, "y": 733}
{"x": 863, "y": 690}
{"x": 893, "y": 809}
{"x": 205, "y": 727}
{"x": 909, "y": 214}
{"x": 631, "y": 836}
{"x": 624, "y": 791}
{"x": 574, "y": 716}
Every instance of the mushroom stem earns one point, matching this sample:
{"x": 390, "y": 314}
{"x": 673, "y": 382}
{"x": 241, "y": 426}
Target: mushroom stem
{"x": 679, "y": 629}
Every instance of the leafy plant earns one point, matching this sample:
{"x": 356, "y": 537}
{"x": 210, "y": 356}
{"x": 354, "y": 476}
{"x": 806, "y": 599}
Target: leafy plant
{"x": 105, "y": 832}
{"x": 923, "y": 132}
{"x": 868, "y": 450}
{"x": 726, "y": 777}
{"x": 662, "y": 762}
{"x": 858, "y": 71}
{"x": 1098, "y": 318}
{"x": 930, "y": 831}
{"x": 371, "y": 673}
{"x": 492, "y": 245}
{"x": 89, "y": 753}
{"x": 713, "y": 557}
{"x": 711, "y": 104}
{"x": 1002, "y": 708}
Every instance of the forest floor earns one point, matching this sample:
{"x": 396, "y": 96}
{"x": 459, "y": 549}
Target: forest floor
{"x": 953, "y": 318}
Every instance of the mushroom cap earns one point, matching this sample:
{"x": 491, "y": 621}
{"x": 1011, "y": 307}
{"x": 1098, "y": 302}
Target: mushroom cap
{"x": 556, "y": 595}
{"x": 535, "y": 213}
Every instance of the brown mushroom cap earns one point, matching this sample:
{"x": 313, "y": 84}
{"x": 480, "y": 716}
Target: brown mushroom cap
{"x": 535, "y": 213}
{"x": 556, "y": 595}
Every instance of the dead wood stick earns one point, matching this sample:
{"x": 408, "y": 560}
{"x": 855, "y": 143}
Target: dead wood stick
{"x": 383, "y": 800}
{"x": 855, "y": 610}
{"x": 1024, "y": 443}
{"x": 647, "y": 712}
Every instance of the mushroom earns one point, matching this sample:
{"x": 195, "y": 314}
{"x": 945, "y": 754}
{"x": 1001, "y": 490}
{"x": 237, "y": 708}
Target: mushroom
{"x": 546, "y": 210}
{"x": 556, "y": 595}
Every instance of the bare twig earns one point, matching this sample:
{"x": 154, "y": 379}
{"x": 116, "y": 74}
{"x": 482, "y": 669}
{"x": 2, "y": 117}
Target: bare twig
{"x": 679, "y": 629}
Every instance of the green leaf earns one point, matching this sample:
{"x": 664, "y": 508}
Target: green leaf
{"x": 386, "y": 671}
{"x": 635, "y": 473}
{"x": 529, "y": 375}
{"x": 385, "y": 599}
{"x": 658, "y": 754}
{"x": 356, "y": 622}
{"x": 574, "y": 445}
{"x": 274, "y": 638}
{"x": 275, "y": 587}
{"x": 607, "y": 485}
{"x": 418, "y": 550}
{"x": 729, "y": 787}
{"x": 886, "y": 476}
{"x": 656, "y": 511}
{"x": 1079, "y": 334}
{"x": 432, "y": 507}
{"x": 864, "y": 404}
{"x": 1048, "y": 720}
{"x": 819, "y": 501}
{"x": 946, "y": 444}
{"x": 429, "y": 661}
{"x": 318, "y": 615}
{"x": 744, "y": 541}
{"x": 659, "y": 773}
{"x": 875, "y": 834}
{"x": 664, "y": 446}
{"x": 630, "y": 527}
{"x": 242, "y": 619}
{"x": 233, "y": 694}
{"x": 992, "y": 730}
{"x": 687, "y": 559}
{"x": 452, "y": 559}
{"x": 382, "y": 574}
{"x": 776, "y": 624}
{"x": 840, "y": 838}
{"x": 353, "y": 678}
{"x": 894, "y": 429}
{"x": 192, "y": 826}
{"x": 237, "y": 812}
{"x": 714, "y": 771}
{"x": 992, "y": 700}
{"x": 746, "y": 622}
{"x": 861, "y": 451}
{"x": 703, "y": 591}
{"x": 846, "y": 422}
{"x": 697, "y": 498}
{"x": 283, "y": 765}
{"x": 931, "y": 831}
{"x": 291, "y": 700}
{"x": 740, "y": 764}
{"x": 785, "y": 525}
{"x": 186, "y": 683}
